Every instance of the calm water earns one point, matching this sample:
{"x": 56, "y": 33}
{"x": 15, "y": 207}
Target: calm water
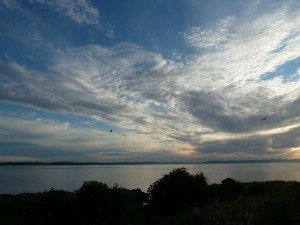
{"x": 18, "y": 179}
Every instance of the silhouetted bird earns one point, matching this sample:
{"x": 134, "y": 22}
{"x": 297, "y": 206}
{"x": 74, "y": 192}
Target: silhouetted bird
{"x": 263, "y": 118}
{"x": 110, "y": 130}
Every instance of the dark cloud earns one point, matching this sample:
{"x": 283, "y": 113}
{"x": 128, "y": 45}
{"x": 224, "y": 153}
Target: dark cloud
{"x": 290, "y": 139}
{"x": 253, "y": 145}
{"x": 46, "y": 92}
{"x": 36, "y": 151}
{"x": 210, "y": 110}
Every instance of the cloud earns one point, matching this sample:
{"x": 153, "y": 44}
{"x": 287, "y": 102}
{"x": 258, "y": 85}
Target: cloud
{"x": 232, "y": 73}
{"x": 11, "y": 4}
{"x": 289, "y": 139}
{"x": 65, "y": 92}
{"x": 53, "y": 140}
{"x": 254, "y": 146}
{"x": 207, "y": 103}
{"x": 210, "y": 37}
{"x": 81, "y": 11}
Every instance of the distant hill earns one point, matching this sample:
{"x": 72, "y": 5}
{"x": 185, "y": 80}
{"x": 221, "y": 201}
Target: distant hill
{"x": 151, "y": 162}
{"x": 80, "y": 163}
{"x": 251, "y": 161}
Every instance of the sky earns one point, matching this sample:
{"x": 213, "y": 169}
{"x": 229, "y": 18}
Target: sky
{"x": 184, "y": 80}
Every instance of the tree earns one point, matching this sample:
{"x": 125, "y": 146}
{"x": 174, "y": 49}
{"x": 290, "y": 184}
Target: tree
{"x": 92, "y": 200}
{"x": 99, "y": 204}
{"x": 177, "y": 191}
{"x": 55, "y": 207}
{"x": 234, "y": 186}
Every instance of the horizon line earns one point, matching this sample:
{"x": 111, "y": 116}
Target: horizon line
{"x": 147, "y": 162}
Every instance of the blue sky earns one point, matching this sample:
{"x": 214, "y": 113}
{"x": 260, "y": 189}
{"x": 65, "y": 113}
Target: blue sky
{"x": 182, "y": 80}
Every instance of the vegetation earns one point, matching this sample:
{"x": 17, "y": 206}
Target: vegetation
{"x": 178, "y": 198}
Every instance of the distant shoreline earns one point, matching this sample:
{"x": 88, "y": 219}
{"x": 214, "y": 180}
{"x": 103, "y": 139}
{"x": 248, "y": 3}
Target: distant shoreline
{"x": 149, "y": 163}
{"x": 252, "y": 161}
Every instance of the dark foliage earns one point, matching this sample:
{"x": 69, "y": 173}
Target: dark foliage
{"x": 256, "y": 189}
{"x": 18, "y": 209}
{"x": 178, "y": 198}
{"x": 92, "y": 201}
{"x": 177, "y": 191}
{"x": 219, "y": 192}
{"x": 55, "y": 207}
{"x": 234, "y": 186}
{"x": 99, "y": 204}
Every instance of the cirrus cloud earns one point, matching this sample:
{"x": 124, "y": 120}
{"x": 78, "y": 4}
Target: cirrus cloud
{"x": 81, "y": 11}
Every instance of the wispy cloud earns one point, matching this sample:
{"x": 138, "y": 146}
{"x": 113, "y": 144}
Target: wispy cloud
{"x": 214, "y": 37}
{"x": 233, "y": 73}
{"x": 81, "y": 11}
{"x": 11, "y": 4}
{"x": 52, "y": 140}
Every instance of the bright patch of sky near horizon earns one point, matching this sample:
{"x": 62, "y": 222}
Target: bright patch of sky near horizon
{"x": 175, "y": 80}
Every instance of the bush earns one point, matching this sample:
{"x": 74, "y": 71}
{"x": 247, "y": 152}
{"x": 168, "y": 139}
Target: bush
{"x": 99, "y": 204}
{"x": 92, "y": 202}
{"x": 234, "y": 186}
{"x": 256, "y": 189}
{"x": 55, "y": 207}
{"x": 177, "y": 191}
{"x": 219, "y": 192}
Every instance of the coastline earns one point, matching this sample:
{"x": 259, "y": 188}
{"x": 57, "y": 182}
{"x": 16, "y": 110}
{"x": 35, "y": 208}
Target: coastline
{"x": 151, "y": 162}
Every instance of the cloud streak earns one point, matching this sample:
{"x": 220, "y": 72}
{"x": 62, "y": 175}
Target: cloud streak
{"x": 81, "y": 11}
{"x": 54, "y": 140}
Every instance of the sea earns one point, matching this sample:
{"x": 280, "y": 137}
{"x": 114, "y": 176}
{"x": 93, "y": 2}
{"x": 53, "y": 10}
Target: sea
{"x": 16, "y": 179}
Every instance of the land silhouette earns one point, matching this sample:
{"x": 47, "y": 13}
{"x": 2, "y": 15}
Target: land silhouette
{"x": 38, "y": 163}
{"x": 177, "y": 198}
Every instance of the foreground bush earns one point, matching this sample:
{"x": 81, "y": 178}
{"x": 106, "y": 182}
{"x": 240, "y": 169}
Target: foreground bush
{"x": 177, "y": 191}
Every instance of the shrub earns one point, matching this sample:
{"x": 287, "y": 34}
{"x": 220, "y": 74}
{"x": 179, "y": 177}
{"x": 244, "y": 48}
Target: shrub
{"x": 219, "y": 192}
{"x": 177, "y": 191}
{"x": 55, "y": 207}
{"x": 92, "y": 202}
{"x": 99, "y": 204}
{"x": 234, "y": 186}
{"x": 256, "y": 189}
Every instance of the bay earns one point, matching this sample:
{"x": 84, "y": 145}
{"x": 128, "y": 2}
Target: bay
{"x": 27, "y": 178}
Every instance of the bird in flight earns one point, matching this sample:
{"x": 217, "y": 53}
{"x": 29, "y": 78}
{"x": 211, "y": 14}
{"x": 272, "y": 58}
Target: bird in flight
{"x": 265, "y": 118}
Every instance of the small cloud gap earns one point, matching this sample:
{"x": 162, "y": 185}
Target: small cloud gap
{"x": 288, "y": 72}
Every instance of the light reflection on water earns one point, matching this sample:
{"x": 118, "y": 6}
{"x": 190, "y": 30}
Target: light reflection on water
{"x": 18, "y": 179}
